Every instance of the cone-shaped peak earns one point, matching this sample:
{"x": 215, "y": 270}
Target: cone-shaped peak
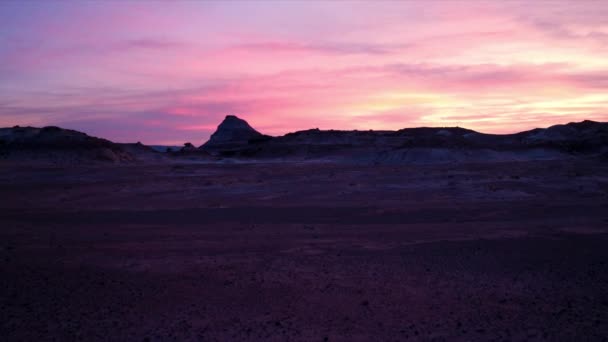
{"x": 233, "y": 130}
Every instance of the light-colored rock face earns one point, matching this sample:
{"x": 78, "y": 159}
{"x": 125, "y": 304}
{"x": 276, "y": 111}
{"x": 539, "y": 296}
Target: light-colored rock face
{"x": 232, "y": 130}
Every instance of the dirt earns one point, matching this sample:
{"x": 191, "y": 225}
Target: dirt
{"x": 305, "y": 252}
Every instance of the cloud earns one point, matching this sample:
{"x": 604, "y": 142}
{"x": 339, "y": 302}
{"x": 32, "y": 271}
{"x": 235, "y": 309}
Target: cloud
{"x": 149, "y": 43}
{"x": 149, "y": 127}
{"x": 163, "y": 72}
{"x": 385, "y": 97}
{"x": 342, "y": 48}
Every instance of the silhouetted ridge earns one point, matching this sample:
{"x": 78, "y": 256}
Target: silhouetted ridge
{"x": 58, "y": 145}
{"x": 235, "y": 138}
{"x": 233, "y": 132}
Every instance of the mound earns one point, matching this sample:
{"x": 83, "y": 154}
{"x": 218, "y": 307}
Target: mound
{"x": 57, "y": 145}
{"x": 233, "y": 132}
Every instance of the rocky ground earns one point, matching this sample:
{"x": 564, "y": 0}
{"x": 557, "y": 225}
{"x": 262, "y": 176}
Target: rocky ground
{"x": 305, "y": 252}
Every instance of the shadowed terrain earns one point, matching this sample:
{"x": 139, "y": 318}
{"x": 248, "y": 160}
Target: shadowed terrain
{"x": 304, "y": 251}
{"x": 398, "y": 171}
{"x": 235, "y": 140}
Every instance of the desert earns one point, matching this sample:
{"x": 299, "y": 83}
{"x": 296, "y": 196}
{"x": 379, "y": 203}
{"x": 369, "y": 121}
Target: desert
{"x": 289, "y": 170}
{"x": 199, "y": 246}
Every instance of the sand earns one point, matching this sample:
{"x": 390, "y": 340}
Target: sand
{"x": 305, "y": 252}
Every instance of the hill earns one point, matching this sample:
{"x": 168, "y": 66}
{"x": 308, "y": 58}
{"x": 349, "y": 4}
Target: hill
{"x": 411, "y": 145}
{"x": 58, "y": 145}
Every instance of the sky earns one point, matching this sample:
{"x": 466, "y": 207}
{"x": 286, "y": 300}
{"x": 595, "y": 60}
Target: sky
{"x": 164, "y": 72}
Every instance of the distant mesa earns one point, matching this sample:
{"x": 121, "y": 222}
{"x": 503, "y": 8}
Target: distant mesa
{"x": 236, "y": 139}
{"x": 233, "y": 132}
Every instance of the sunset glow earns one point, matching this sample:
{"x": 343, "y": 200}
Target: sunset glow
{"x": 166, "y": 73}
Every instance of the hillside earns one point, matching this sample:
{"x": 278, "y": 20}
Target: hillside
{"x": 415, "y": 145}
{"x": 57, "y": 145}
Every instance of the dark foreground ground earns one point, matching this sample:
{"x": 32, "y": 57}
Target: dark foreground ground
{"x": 305, "y": 252}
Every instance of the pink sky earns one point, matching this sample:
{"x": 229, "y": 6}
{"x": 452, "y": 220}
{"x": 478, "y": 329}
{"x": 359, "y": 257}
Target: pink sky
{"x": 168, "y": 72}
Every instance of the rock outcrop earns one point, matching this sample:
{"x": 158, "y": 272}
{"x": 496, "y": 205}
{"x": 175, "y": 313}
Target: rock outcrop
{"x": 58, "y": 145}
{"x": 236, "y": 139}
{"x": 233, "y": 132}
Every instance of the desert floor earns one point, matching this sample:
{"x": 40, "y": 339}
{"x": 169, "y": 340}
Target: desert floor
{"x": 304, "y": 252}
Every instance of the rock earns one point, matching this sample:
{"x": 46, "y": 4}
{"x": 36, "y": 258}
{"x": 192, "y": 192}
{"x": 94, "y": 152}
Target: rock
{"x": 188, "y": 147}
{"x": 233, "y": 131}
{"x": 58, "y": 145}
